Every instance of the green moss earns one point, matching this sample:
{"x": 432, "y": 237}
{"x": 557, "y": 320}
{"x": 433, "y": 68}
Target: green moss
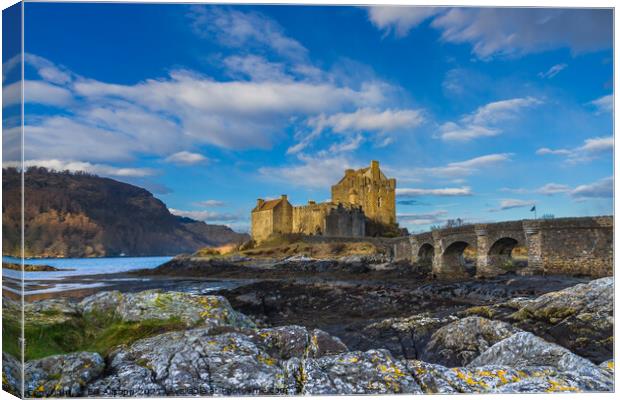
{"x": 92, "y": 333}
{"x": 11, "y": 332}
{"x": 482, "y": 311}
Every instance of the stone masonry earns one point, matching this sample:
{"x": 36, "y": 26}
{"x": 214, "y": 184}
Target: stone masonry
{"x": 363, "y": 198}
{"x": 572, "y": 246}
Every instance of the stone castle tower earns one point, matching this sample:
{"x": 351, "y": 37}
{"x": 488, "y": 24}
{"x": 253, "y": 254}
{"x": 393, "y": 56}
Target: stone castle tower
{"x": 362, "y": 204}
{"x": 369, "y": 188}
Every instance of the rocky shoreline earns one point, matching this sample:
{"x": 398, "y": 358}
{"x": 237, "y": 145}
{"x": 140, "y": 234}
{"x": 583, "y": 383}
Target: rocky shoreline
{"x": 33, "y": 267}
{"x": 323, "y": 327}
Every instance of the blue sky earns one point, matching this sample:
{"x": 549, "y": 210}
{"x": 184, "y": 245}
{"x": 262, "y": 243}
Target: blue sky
{"x": 478, "y": 113}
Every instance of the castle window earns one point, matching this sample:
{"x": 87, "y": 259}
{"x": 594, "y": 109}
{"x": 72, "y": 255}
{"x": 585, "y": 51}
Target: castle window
{"x": 379, "y": 202}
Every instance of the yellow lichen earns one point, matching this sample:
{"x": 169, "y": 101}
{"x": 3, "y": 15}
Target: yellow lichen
{"x": 266, "y": 360}
{"x": 555, "y": 386}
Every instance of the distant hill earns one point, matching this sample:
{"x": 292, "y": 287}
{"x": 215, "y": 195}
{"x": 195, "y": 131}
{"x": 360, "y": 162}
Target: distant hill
{"x": 82, "y": 215}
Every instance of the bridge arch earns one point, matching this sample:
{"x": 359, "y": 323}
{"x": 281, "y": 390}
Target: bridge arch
{"x": 455, "y": 261}
{"x": 426, "y": 254}
{"x": 500, "y": 254}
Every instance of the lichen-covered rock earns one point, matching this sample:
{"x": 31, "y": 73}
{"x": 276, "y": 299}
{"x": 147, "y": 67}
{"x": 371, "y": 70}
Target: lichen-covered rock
{"x": 579, "y": 318}
{"x": 102, "y": 302}
{"x": 48, "y": 311}
{"x": 371, "y": 372}
{"x": 524, "y": 349}
{"x": 191, "y": 309}
{"x": 196, "y": 362}
{"x": 459, "y": 342}
{"x": 404, "y": 337}
{"x": 128, "y": 380}
{"x": 501, "y": 379}
{"x": 296, "y": 341}
{"x": 608, "y": 366}
{"x": 11, "y": 374}
{"x": 323, "y": 344}
{"x": 61, "y": 375}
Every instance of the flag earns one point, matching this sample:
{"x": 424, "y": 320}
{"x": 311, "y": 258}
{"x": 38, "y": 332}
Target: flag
{"x": 533, "y": 208}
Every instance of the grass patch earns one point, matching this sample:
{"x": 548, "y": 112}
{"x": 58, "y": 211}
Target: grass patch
{"x": 93, "y": 333}
{"x": 281, "y": 246}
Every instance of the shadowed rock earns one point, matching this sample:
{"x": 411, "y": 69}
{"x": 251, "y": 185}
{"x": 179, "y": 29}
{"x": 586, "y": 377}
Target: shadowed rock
{"x": 61, "y": 375}
{"x": 459, "y": 342}
{"x": 525, "y": 349}
{"x": 579, "y": 318}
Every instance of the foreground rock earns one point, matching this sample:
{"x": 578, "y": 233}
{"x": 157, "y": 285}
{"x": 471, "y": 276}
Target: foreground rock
{"x": 197, "y": 362}
{"x": 11, "y": 373}
{"x": 579, "y": 318}
{"x": 459, "y": 342}
{"x": 217, "y": 350}
{"x": 525, "y": 349}
{"x": 193, "y": 310}
{"x": 61, "y": 375}
{"x": 404, "y": 337}
{"x": 371, "y": 372}
{"x": 435, "y": 378}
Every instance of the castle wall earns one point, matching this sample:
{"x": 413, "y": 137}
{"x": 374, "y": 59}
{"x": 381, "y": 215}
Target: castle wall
{"x": 370, "y": 190}
{"x": 328, "y": 219}
{"x": 283, "y": 218}
{"x": 262, "y": 225}
{"x": 345, "y": 222}
{"x": 310, "y": 219}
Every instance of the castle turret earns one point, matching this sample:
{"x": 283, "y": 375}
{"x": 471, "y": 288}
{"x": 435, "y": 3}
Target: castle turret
{"x": 374, "y": 170}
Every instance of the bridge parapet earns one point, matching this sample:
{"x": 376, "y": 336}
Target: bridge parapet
{"x": 577, "y": 246}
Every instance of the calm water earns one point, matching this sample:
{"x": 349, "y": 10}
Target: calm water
{"x": 83, "y": 266}
{"x": 61, "y": 280}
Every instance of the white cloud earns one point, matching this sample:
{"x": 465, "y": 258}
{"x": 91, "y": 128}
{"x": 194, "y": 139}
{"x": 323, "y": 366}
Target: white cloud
{"x": 591, "y": 149}
{"x": 247, "y": 30}
{"x": 457, "y": 191}
{"x": 553, "y": 188}
{"x": 553, "y": 71}
{"x": 74, "y": 166}
{"x": 508, "y": 204}
{"x": 211, "y": 203}
{"x": 363, "y": 120}
{"x": 484, "y": 121}
{"x": 603, "y": 188}
{"x": 545, "y": 150}
{"x": 399, "y": 20}
{"x": 431, "y": 218}
{"x": 208, "y": 216}
{"x": 9, "y": 65}
{"x": 162, "y": 116}
{"x": 497, "y": 31}
{"x": 348, "y": 145}
{"x": 604, "y": 104}
{"x": 11, "y": 94}
{"x": 255, "y": 67}
{"x": 313, "y": 172}
{"x": 454, "y": 171}
{"x": 49, "y": 71}
{"x": 514, "y": 190}
{"x": 186, "y": 158}
{"x": 500, "y": 111}
{"x": 369, "y": 120}
{"x": 518, "y": 31}
{"x": 42, "y": 92}
{"x": 451, "y": 131}
{"x": 468, "y": 167}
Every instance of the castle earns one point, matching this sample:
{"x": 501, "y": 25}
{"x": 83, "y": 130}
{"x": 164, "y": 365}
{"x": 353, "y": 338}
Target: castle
{"x": 363, "y": 203}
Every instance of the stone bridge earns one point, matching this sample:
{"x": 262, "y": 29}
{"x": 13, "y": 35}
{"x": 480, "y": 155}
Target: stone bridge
{"x": 575, "y": 246}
